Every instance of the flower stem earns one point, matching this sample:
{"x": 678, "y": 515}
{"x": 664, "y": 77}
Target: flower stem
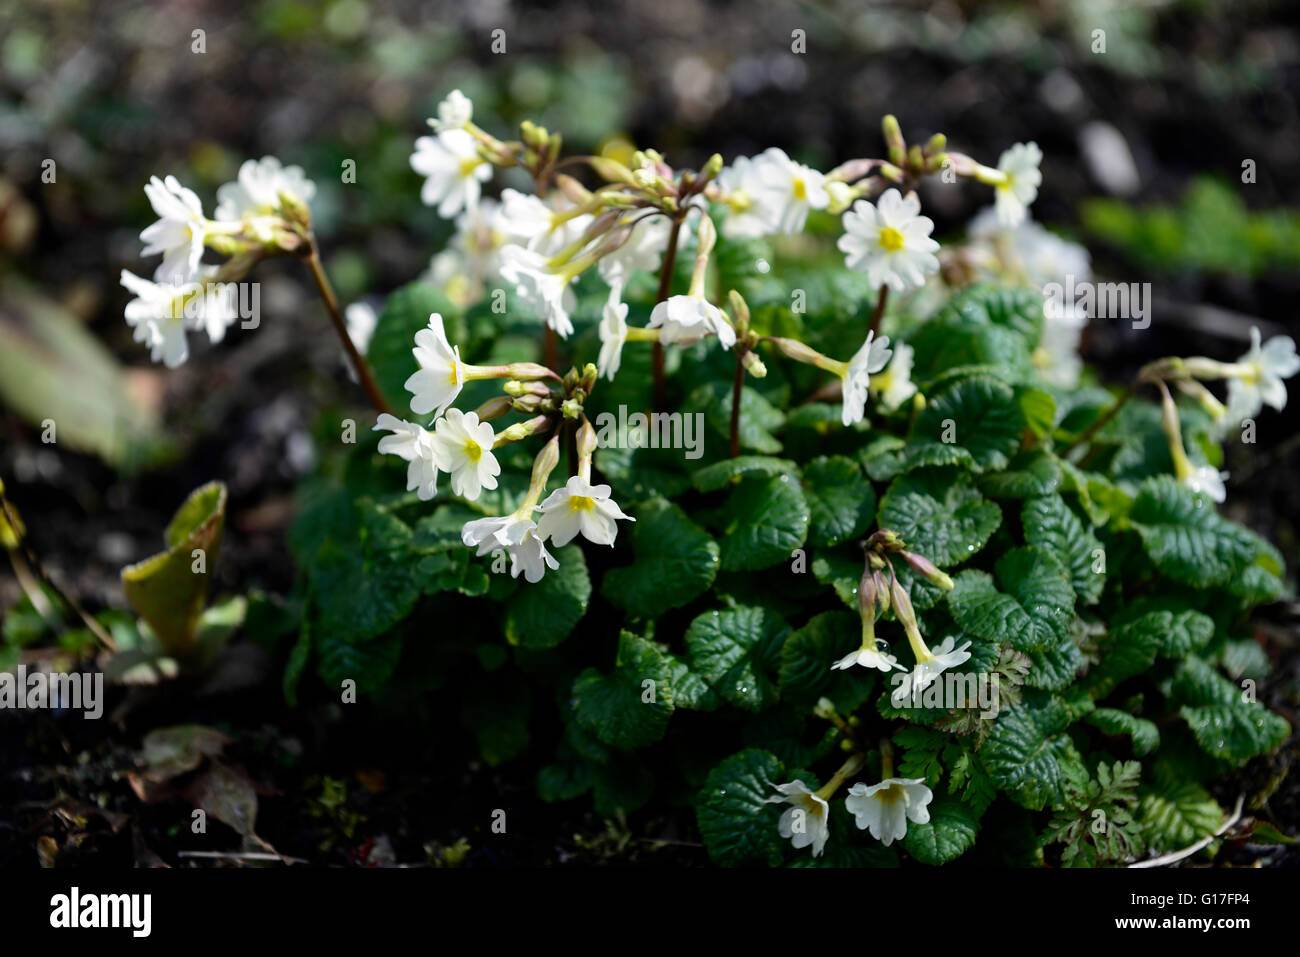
{"x": 736, "y": 393}
{"x": 340, "y": 326}
{"x": 1091, "y": 431}
{"x": 665, "y": 290}
{"x": 880, "y": 309}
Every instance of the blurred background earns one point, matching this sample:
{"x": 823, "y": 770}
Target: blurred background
{"x": 1144, "y": 149}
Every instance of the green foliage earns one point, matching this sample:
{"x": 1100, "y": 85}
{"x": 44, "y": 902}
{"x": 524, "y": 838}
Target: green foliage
{"x": 1097, "y": 603}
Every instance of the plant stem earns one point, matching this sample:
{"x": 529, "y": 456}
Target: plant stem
{"x": 340, "y": 326}
{"x": 736, "y": 386}
{"x": 880, "y": 310}
{"x": 550, "y": 354}
{"x": 665, "y": 290}
{"x": 1087, "y": 434}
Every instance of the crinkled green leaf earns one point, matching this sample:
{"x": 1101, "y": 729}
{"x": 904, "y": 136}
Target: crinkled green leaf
{"x": 731, "y": 648}
{"x": 674, "y": 561}
{"x": 841, "y": 501}
{"x": 939, "y": 514}
{"x": 1184, "y": 536}
{"x": 763, "y": 522}
{"x": 629, "y": 707}
{"x": 542, "y": 614}
{"x": 738, "y": 825}
{"x": 1049, "y": 523}
{"x": 1030, "y": 607}
{"x": 979, "y": 414}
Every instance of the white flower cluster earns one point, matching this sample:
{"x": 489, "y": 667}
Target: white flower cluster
{"x": 462, "y": 446}
{"x": 882, "y": 810}
{"x": 181, "y": 296}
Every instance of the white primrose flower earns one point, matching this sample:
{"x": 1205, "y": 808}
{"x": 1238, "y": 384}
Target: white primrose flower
{"x": 894, "y": 384}
{"x": 441, "y": 376}
{"x": 580, "y": 507}
{"x": 1207, "y": 480}
{"x": 454, "y": 113}
{"x": 157, "y": 316}
{"x": 1267, "y": 365}
{"x": 529, "y": 221}
{"x": 642, "y": 252}
{"x": 792, "y": 188}
{"x": 178, "y": 234}
{"x": 684, "y": 320}
{"x": 751, "y": 208}
{"x": 414, "y": 444}
{"x": 929, "y": 665}
{"x": 462, "y": 447}
{"x": 215, "y": 309}
{"x": 885, "y": 808}
{"x": 257, "y": 188}
{"x": 517, "y": 534}
{"x": 613, "y": 334}
{"x": 1023, "y": 177}
{"x": 453, "y": 169}
{"x": 807, "y": 820}
{"x": 870, "y": 359}
{"x": 546, "y": 289}
{"x": 890, "y": 241}
{"x": 868, "y": 657}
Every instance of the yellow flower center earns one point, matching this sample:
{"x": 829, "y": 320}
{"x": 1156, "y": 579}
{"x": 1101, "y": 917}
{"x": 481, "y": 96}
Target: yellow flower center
{"x": 890, "y": 795}
{"x": 800, "y": 189}
{"x": 739, "y": 201}
{"x": 891, "y": 239}
{"x": 581, "y": 503}
{"x": 473, "y": 451}
{"x": 468, "y": 165}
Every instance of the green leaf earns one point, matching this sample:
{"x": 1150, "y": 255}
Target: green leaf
{"x": 1028, "y": 752}
{"x": 763, "y": 522}
{"x": 730, "y": 471}
{"x": 1145, "y": 735}
{"x": 939, "y": 514}
{"x": 1130, "y": 649}
{"x": 675, "y": 562}
{"x": 1049, "y": 523}
{"x": 543, "y": 614}
{"x": 690, "y": 690}
{"x": 759, "y": 418}
{"x": 1181, "y": 630}
{"x": 1177, "y": 813}
{"x": 1019, "y": 309}
{"x": 841, "y": 501}
{"x": 980, "y": 414}
{"x": 617, "y": 707}
{"x": 1038, "y": 408}
{"x": 1030, "y": 608}
{"x": 730, "y": 649}
{"x": 390, "y": 353}
{"x": 1227, "y": 724}
{"x": 949, "y": 834}
{"x": 54, "y": 368}
{"x": 737, "y": 824}
{"x": 1185, "y": 538}
{"x": 807, "y": 656}
{"x": 363, "y": 578}
{"x": 170, "y": 589}
{"x": 1029, "y": 473}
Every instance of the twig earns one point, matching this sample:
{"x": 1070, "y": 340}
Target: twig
{"x": 1177, "y": 856}
{"x": 1087, "y": 434}
{"x": 359, "y": 364}
{"x": 238, "y": 856}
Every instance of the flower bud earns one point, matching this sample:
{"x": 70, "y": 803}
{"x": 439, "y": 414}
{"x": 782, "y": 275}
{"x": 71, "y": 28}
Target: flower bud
{"x": 894, "y": 143}
{"x": 573, "y": 191}
{"x": 754, "y": 365}
{"x": 927, "y": 570}
{"x": 842, "y": 196}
